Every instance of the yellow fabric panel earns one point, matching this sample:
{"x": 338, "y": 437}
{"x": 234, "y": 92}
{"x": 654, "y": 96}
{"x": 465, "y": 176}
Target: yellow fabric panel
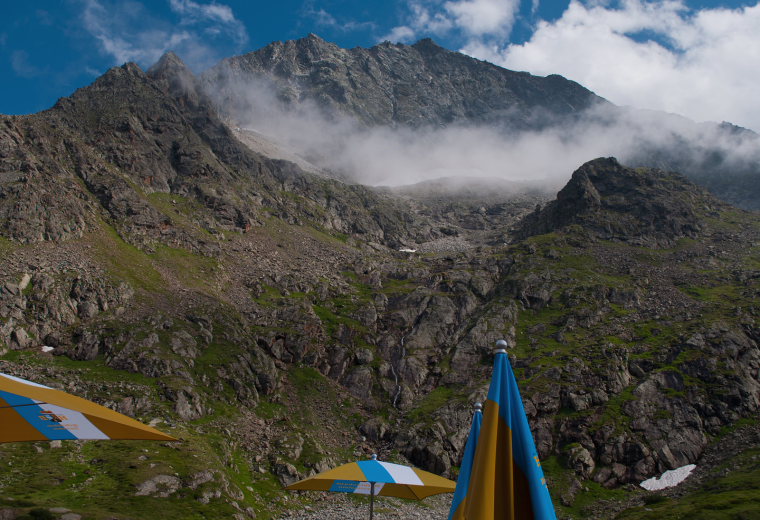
{"x": 311, "y": 484}
{"x": 350, "y": 471}
{"x": 118, "y": 430}
{"x": 14, "y": 428}
{"x": 481, "y": 495}
{"x": 401, "y": 491}
{"x": 431, "y": 479}
{"x": 92, "y": 410}
{"x": 459, "y": 513}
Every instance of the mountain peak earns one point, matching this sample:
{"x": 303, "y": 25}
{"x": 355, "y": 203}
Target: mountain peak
{"x": 169, "y": 63}
{"x": 428, "y": 44}
{"x": 176, "y": 78}
{"x": 314, "y": 37}
{"x": 314, "y": 42}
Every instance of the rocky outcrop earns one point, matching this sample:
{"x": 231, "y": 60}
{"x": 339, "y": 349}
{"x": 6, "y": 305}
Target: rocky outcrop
{"x": 613, "y": 202}
{"x": 37, "y": 307}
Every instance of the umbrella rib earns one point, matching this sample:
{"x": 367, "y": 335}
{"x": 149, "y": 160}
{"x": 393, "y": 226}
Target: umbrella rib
{"x": 414, "y": 491}
{"x": 20, "y": 405}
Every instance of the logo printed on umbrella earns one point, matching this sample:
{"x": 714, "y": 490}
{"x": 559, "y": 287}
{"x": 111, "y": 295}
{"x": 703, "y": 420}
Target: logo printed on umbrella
{"x": 47, "y": 415}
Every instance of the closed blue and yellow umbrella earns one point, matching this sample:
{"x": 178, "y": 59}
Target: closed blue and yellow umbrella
{"x": 376, "y": 478}
{"x": 505, "y": 479}
{"x": 33, "y": 412}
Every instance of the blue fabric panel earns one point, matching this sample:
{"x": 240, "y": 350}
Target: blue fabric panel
{"x": 44, "y": 423}
{"x": 463, "y": 481}
{"x": 344, "y": 486}
{"x": 374, "y": 471}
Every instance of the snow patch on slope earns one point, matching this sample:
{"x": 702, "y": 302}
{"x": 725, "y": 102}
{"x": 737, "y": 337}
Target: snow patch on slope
{"x": 669, "y": 478}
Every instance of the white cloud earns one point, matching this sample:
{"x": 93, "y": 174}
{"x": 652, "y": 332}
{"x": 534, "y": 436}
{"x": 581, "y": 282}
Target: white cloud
{"x": 471, "y": 18}
{"x": 126, "y": 31}
{"x": 323, "y": 18}
{"x": 401, "y": 33}
{"x": 656, "y": 54}
{"x": 483, "y": 17}
{"x": 700, "y": 64}
{"x": 22, "y": 66}
{"x": 403, "y": 155}
{"x": 424, "y": 18}
{"x": 121, "y": 37}
{"x": 475, "y": 21}
{"x": 193, "y": 13}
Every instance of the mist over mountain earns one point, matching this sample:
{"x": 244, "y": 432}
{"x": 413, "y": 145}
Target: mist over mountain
{"x": 199, "y": 255}
{"x": 396, "y": 114}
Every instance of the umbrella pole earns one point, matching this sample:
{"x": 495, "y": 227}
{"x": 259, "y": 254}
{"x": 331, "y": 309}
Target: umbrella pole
{"x": 371, "y": 499}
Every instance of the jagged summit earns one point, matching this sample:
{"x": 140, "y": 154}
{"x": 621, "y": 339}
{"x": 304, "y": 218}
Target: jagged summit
{"x": 428, "y": 44}
{"x": 396, "y": 84}
{"x": 168, "y": 62}
{"x": 427, "y": 86}
{"x": 642, "y": 205}
{"x": 176, "y": 78}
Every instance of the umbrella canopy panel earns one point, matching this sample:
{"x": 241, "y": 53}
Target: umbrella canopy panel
{"x": 392, "y": 480}
{"x": 33, "y": 412}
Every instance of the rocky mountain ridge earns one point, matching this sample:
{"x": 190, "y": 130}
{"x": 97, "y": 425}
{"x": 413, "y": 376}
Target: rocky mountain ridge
{"x": 382, "y": 85}
{"x": 265, "y": 314}
{"x": 424, "y": 86}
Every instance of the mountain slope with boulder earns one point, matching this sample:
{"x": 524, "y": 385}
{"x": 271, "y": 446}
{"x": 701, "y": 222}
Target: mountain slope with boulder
{"x": 266, "y": 316}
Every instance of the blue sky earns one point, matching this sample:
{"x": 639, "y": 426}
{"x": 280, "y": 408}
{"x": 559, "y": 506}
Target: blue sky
{"x": 698, "y": 58}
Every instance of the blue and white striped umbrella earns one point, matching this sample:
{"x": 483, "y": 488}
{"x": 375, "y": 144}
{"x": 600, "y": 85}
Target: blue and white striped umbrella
{"x": 376, "y": 478}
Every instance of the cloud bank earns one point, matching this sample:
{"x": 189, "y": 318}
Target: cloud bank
{"x": 658, "y": 54}
{"x": 481, "y": 20}
{"x": 383, "y": 156}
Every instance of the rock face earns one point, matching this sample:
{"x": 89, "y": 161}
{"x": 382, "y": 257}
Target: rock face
{"x": 389, "y": 84}
{"x": 613, "y": 202}
{"x": 267, "y": 315}
{"x": 161, "y": 143}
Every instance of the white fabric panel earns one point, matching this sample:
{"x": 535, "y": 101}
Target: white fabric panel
{"x": 402, "y": 474}
{"x": 76, "y": 423}
{"x": 19, "y": 380}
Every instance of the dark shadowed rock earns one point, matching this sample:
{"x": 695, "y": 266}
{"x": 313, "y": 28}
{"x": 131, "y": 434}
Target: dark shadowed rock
{"x": 612, "y": 202}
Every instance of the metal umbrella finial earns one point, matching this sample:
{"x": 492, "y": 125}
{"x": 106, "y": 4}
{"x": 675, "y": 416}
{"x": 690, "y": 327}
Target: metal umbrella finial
{"x": 478, "y": 407}
{"x": 374, "y": 456}
{"x": 501, "y": 347}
